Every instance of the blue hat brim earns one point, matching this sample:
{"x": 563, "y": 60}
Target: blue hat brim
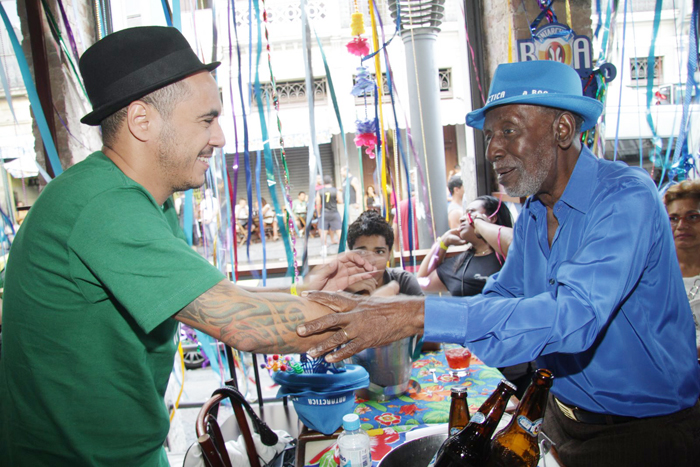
{"x": 589, "y": 109}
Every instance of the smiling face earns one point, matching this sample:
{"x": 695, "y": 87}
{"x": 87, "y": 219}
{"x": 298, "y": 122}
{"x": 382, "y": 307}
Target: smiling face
{"x": 377, "y": 245}
{"x": 684, "y": 215}
{"x": 521, "y": 147}
{"x": 188, "y": 137}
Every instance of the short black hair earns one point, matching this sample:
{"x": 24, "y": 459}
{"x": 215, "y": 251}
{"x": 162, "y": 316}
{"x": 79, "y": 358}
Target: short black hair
{"x": 370, "y": 223}
{"x": 455, "y": 182}
{"x": 327, "y": 179}
{"x": 301, "y": 193}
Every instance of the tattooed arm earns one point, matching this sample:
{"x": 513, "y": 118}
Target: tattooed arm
{"x": 253, "y": 322}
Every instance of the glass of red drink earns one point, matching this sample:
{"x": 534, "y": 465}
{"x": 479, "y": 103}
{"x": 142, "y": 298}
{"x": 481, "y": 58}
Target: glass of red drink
{"x": 457, "y": 357}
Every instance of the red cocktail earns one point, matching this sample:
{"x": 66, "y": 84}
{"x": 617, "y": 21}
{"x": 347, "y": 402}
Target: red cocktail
{"x": 458, "y": 357}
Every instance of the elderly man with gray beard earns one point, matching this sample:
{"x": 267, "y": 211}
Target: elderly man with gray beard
{"x": 591, "y": 288}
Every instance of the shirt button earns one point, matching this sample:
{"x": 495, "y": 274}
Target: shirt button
{"x": 551, "y": 281}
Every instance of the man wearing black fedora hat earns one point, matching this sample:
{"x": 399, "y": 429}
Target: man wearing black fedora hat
{"x": 100, "y": 268}
{"x": 591, "y": 288}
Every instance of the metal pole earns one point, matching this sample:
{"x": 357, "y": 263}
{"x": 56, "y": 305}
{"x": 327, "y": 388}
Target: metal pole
{"x": 419, "y": 22}
{"x": 426, "y": 125}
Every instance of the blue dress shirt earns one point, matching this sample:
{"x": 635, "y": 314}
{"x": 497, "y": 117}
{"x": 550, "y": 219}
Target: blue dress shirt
{"x": 604, "y": 308}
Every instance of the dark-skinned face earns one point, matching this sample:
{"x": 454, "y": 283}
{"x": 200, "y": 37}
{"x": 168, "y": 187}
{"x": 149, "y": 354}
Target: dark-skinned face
{"x": 521, "y": 148}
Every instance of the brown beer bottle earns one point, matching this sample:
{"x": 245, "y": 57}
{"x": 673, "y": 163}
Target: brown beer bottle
{"x": 516, "y": 445}
{"x": 471, "y": 447}
{"x": 459, "y": 411}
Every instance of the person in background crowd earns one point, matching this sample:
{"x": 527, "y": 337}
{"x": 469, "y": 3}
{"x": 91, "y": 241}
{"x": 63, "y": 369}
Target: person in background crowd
{"x": 454, "y": 207}
{"x": 299, "y": 211}
{"x": 591, "y": 288}
{"x": 683, "y": 206}
{"x": 327, "y": 200}
{"x": 370, "y": 232}
{"x": 372, "y": 200}
{"x": 243, "y": 219}
{"x": 465, "y": 274}
{"x": 456, "y": 170}
{"x": 100, "y": 275}
{"x": 269, "y": 219}
{"x": 355, "y": 192}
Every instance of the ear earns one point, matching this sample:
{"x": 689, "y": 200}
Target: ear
{"x": 140, "y": 120}
{"x": 565, "y": 130}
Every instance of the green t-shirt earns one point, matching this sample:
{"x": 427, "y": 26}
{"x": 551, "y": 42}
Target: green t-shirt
{"x": 94, "y": 276}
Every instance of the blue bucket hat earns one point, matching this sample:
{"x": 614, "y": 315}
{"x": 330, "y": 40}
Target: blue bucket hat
{"x": 321, "y": 399}
{"x": 538, "y": 82}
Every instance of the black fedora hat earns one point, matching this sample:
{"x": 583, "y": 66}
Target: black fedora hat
{"x": 128, "y": 64}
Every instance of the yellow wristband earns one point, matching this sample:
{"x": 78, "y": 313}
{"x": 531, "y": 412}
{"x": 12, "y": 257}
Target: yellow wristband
{"x": 293, "y": 290}
{"x": 442, "y": 245}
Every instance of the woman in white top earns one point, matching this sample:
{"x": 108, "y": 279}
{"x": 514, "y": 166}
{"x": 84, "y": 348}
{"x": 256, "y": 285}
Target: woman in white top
{"x": 683, "y": 206}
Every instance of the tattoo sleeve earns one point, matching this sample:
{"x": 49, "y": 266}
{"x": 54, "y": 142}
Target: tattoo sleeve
{"x": 253, "y": 322}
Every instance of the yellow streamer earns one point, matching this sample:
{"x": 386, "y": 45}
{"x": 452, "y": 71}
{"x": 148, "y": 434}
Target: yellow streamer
{"x": 182, "y": 365}
{"x": 380, "y": 87}
{"x": 510, "y": 38}
{"x": 568, "y": 15}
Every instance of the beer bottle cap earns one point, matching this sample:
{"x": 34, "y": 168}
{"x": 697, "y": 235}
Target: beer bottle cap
{"x": 459, "y": 390}
{"x": 509, "y": 384}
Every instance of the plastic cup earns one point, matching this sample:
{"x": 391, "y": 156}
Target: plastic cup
{"x": 457, "y": 357}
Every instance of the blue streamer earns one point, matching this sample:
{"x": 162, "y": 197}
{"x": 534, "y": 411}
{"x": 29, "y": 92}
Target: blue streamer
{"x": 177, "y": 17}
{"x": 269, "y": 164}
{"x": 690, "y": 85}
{"x": 188, "y": 218}
{"x": 166, "y": 12}
{"x": 260, "y": 218}
{"x": 622, "y": 74}
{"x": 336, "y": 109}
{"x": 33, "y": 97}
{"x": 650, "y": 85}
{"x": 246, "y": 145}
{"x": 6, "y": 88}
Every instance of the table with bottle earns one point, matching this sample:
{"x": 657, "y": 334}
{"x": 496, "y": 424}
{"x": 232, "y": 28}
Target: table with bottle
{"x": 426, "y": 404}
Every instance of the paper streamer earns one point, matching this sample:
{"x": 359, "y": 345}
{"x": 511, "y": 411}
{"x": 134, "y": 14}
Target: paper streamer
{"x": 650, "y": 82}
{"x": 690, "y": 84}
{"x": 269, "y": 165}
{"x": 6, "y": 88}
{"x": 167, "y": 13}
{"x": 622, "y": 74}
{"x": 336, "y": 109}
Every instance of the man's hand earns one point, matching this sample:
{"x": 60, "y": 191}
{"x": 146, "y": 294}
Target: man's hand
{"x": 387, "y": 290}
{"x": 363, "y": 322}
{"x": 345, "y": 270}
{"x": 363, "y": 287}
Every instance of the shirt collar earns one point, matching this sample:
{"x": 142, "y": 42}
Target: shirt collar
{"x": 578, "y": 191}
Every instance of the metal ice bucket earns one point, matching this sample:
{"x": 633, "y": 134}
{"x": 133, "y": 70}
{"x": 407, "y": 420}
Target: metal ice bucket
{"x": 416, "y": 453}
{"x": 389, "y": 369}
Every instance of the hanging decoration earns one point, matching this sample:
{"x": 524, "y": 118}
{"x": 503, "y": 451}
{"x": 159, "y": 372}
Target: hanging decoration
{"x": 364, "y": 83}
{"x": 358, "y": 46}
{"x": 366, "y": 135}
{"x": 558, "y": 42}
